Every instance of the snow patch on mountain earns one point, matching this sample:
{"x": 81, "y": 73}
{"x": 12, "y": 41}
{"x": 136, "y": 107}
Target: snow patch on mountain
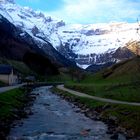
{"x": 97, "y": 38}
{"x": 86, "y": 44}
{"x": 82, "y": 66}
{"x": 5, "y": 14}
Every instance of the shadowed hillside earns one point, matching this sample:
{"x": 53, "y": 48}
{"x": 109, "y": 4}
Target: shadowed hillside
{"x": 18, "y": 45}
{"x": 129, "y": 68}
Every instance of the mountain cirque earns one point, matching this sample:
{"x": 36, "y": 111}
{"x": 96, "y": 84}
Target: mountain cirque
{"x": 84, "y": 44}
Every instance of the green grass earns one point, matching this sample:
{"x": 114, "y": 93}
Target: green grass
{"x": 62, "y": 77}
{"x": 120, "y": 83}
{"x": 125, "y": 92}
{"x": 21, "y": 67}
{"x": 83, "y": 100}
{"x": 10, "y": 100}
{"x": 2, "y": 84}
{"x": 127, "y": 116}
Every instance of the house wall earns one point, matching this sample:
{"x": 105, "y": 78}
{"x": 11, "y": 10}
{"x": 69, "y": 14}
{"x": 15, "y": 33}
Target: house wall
{"x": 9, "y": 79}
{"x": 4, "y": 78}
{"x": 13, "y": 79}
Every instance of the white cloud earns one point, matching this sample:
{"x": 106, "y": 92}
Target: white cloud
{"x": 90, "y": 11}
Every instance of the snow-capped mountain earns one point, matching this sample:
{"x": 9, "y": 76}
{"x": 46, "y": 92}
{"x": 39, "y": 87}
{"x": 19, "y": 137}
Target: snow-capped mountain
{"x": 96, "y": 43}
{"x": 85, "y": 44}
{"x": 27, "y": 37}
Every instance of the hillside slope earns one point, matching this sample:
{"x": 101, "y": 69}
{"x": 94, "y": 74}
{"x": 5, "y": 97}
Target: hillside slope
{"x": 18, "y": 45}
{"x": 129, "y": 68}
{"x": 120, "y": 81}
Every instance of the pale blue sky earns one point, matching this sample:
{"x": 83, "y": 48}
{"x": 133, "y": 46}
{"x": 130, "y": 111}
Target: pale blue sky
{"x": 87, "y": 11}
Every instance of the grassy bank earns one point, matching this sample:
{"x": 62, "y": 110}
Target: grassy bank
{"x": 128, "y": 92}
{"x": 12, "y": 104}
{"x": 124, "y": 88}
{"x": 2, "y": 84}
{"x": 9, "y": 101}
{"x": 127, "y": 117}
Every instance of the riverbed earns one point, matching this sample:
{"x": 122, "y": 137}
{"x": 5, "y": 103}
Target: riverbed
{"x": 56, "y": 119}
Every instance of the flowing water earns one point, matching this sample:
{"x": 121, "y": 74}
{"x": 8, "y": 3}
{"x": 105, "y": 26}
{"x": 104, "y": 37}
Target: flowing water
{"x": 55, "y": 119}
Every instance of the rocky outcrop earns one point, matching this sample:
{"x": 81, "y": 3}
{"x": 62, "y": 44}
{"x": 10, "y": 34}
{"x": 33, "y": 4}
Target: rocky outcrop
{"x": 133, "y": 46}
{"x": 100, "y": 61}
{"x": 123, "y": 54}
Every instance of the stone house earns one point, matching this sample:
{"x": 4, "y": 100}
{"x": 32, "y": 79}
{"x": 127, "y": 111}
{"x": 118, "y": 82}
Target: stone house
{"x": 8, "y": 75}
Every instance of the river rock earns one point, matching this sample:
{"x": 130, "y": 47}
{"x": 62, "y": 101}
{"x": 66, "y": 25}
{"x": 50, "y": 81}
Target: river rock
{"x": 106, "y": 106}
{"x": 112, "y": 120}
{"x": 130, "y": 134}
{"x": 114, "y": 137}
{"x": 120, "y": 129}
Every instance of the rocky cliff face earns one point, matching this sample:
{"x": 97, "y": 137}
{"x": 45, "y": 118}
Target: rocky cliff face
{"x": 133, "y": 46}
{"x": 108, "y": 59}
{"x": 96, "y": 44}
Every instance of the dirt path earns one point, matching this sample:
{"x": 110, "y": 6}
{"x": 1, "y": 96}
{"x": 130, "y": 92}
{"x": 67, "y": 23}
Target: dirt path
{"x": 61, "y": 87}
{"x": 4, "y": 89}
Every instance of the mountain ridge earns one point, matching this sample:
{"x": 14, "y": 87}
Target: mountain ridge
{"x": 18, "y": 45}
{"x": 84, "y": 44}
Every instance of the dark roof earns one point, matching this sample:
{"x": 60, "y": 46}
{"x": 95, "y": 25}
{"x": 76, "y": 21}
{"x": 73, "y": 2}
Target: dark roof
{"x": 5, "y": 69}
